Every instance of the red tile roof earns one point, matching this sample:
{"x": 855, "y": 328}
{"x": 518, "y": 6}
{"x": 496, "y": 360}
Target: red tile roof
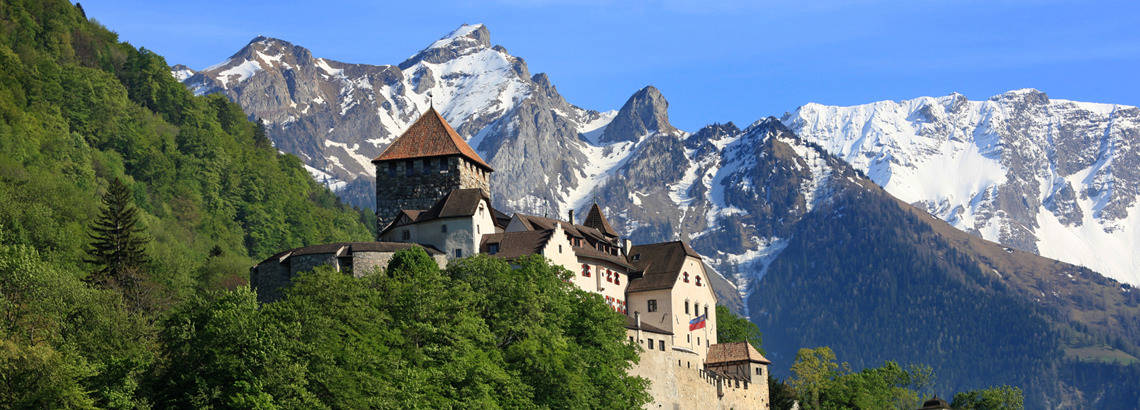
{"x": 430, "y": 136}
{"x": 734, "y": 352}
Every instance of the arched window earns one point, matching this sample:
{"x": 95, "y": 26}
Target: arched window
{"x": 685, "y": 276}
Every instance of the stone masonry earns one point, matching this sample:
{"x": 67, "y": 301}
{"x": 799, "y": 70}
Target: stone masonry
{"x": 424, "y": 184}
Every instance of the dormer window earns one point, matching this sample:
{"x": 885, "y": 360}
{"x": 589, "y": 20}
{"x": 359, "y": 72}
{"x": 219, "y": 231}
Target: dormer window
{"x": 637, "y": 257}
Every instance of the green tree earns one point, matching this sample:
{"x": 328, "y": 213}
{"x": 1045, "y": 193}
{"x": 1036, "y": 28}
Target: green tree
{"x": 994, "y": 398}
{"x": 732, "y": 328}
{"x": 812, "y": 371}
{"x": 118, "y": 246}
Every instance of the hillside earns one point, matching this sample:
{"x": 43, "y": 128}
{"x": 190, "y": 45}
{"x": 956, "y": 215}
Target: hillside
{"x": 78, "y": 109}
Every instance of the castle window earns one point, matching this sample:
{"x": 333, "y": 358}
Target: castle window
{"x": 585, "y": 270}
{"x": 759, "y": 371}
{"x": 443, "y": 164}
{"x": 685, "y": 277}
{"x": 459, "y": 253}
{"x": 559, "y": 248}
{"x": 407, "y": 235}
{"x": 686, "y": 307}
{"x": 661, "y": 344}
{"x": 652, "y": 306}
{"x": 479, "y": 229}
{"x": 706, "y": 311}
{"x": 409, "y": 167}
{"x": 698, "y": 340}
{"x": 631, "y": 340}
{"x": 443, "y": 228}
{"x": 650, "y": 344}
{"x": 391, "y": 169}
{"x": 493, "y": 248}
{"x": 689, "y": 338}
{"x": 428, "y": 164}
{"x": 617, "y": 279}
{"x": 698, "y": 280}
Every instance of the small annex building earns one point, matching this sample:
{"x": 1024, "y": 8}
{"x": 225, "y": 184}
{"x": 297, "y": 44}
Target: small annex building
{"x": 269, "y": 277}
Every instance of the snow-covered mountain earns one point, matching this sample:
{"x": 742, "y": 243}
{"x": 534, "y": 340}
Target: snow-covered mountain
{"x": 1056, "y": 177}
{"x": 338, "y": 116}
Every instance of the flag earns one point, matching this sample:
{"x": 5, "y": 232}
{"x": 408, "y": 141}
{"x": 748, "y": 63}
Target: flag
{"x": 697, "y": 323}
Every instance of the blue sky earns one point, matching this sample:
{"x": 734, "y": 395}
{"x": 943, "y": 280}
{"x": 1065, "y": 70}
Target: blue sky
{"x": 715, "y": 61}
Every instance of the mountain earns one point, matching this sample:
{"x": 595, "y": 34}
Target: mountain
{"x": 807, "y": 245}
{"x": 1054, "y": 177}
{"x": 338, "y": 116}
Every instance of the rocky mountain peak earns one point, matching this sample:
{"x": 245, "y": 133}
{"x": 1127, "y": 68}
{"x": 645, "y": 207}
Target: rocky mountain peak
{"x": 645, "y": 112}
{"x": 467, "y": 39}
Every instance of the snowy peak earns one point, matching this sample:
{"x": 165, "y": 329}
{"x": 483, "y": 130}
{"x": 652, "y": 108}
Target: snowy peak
{"x": 465, "y": 40}
{"x": 181, "y": 72}
{"x": 1049, "y": 176}
{"x": 645, "y": 112}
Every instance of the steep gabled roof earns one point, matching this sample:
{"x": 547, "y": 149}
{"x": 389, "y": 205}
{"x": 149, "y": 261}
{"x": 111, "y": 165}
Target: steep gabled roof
{"x": 734, "y": 352}
{"x": 661, "y": 263}
{"x": 596, "y": 220}
{"x": 430, "y": 136}
{"x": 457, "y": 203}
{"x": 516, "y": 244}
{"x": 590, "y": 234}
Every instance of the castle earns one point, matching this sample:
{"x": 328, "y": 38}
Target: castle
{"x": 433, "y": 191}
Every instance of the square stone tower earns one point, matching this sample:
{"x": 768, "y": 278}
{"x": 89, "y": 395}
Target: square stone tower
{"x": 421, "y": 166}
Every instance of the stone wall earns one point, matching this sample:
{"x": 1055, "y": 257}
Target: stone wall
{"x": 424, "y": 185}
{"x": 678, "y": 382}
{"x": 269, "y": 278}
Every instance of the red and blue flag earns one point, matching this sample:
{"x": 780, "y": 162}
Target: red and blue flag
{"x": 697, "y": 323}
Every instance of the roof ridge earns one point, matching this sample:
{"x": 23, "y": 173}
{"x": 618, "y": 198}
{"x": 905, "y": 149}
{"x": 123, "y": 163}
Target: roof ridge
{"x": 421, "y": 139}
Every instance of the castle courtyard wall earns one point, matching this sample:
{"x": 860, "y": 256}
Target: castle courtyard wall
{"x": 678, "y": 382}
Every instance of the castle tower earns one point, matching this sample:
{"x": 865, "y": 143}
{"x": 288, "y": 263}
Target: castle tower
{"x": 421, "y": 166}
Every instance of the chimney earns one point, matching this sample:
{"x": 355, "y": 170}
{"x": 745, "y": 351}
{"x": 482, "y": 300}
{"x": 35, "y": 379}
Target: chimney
{"x": 637, "y": 320}
{"x": 571, "y": 217}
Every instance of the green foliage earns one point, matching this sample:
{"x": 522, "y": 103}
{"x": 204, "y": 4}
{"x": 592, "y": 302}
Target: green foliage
{"x": 731, "y": 328}
{"x": 412, "y": 336}
{"x": 819, "y": 382}
{"x": 813, "y": 369}
{"x": 119, "y": 241}
{"x": 1002, "y": 397}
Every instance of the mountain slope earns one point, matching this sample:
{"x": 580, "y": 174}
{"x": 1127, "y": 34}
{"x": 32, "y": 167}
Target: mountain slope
{"x": 338, "y": 116}
{"x": 1054, "y": 177}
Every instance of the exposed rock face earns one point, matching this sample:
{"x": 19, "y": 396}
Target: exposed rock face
{"x": 1055, "y": 177}
{"x": 645, "y": 112}
{"x": 338, "y": 116}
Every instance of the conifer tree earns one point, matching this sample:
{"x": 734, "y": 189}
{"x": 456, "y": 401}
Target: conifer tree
{"x": 118, "y": 241}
